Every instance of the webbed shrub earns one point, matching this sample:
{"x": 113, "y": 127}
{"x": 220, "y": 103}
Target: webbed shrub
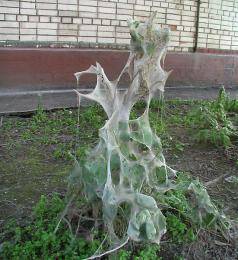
{"x": 127, "y": 166}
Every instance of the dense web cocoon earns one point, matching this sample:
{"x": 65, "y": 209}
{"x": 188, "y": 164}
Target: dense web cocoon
{"x": 129, "y": 155}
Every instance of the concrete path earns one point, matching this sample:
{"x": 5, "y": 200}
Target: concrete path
{"x": 14, "y": 102}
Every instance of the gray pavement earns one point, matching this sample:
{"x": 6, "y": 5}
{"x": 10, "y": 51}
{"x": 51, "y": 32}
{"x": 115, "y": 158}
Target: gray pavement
{"x": 26, "y": 101}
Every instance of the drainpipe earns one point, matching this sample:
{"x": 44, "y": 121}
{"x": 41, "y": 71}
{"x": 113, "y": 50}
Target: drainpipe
{"x": 197, "y": 26}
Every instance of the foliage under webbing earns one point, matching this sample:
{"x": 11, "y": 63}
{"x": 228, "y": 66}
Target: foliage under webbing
{"x": 128, "y": 159}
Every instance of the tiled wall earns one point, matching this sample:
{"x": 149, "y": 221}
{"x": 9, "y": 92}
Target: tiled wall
{"x": 101, "y": 21}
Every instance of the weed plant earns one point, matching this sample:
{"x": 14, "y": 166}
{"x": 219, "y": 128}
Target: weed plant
{"x": 37, "y": 240}
{"x": 214, "y": 121}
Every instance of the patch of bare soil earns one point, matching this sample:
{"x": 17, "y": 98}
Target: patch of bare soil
{"x": 27, "y": 172}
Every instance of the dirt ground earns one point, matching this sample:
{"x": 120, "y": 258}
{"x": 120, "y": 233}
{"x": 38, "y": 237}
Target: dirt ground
{"x": 29, "y": 169}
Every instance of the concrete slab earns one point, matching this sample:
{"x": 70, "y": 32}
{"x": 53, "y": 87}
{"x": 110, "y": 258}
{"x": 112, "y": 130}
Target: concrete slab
{"x": 27, "y": 101}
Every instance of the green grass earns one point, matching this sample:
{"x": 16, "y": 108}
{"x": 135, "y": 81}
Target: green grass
{"x": 68, "y": 132}
{"x": 62, "y": 129}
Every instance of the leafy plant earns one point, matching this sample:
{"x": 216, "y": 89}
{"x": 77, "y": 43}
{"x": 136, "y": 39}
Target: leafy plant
{"x": 178, "y": 230}
{"x": 150, "y": 252}
{"x": 122, "y": 255}
{"x": 230, "y": 105}
{"x": 141, "y": 252}
{"x": 212, "y": 121}
{"x": 37, "y": 239}
{"x": 40, "y": 115}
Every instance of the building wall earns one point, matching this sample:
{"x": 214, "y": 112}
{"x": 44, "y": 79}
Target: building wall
{"x": 104, "y": 21}
{"x": 28, "y": 70}
{"x": 218, "y": 25}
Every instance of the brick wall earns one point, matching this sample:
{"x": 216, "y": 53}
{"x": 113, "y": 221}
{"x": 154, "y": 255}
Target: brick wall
{"x": 104, "y": 22}
{"x": 218, "y": 24}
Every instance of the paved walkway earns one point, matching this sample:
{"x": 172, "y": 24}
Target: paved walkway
{"x": 13, "y": 102}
